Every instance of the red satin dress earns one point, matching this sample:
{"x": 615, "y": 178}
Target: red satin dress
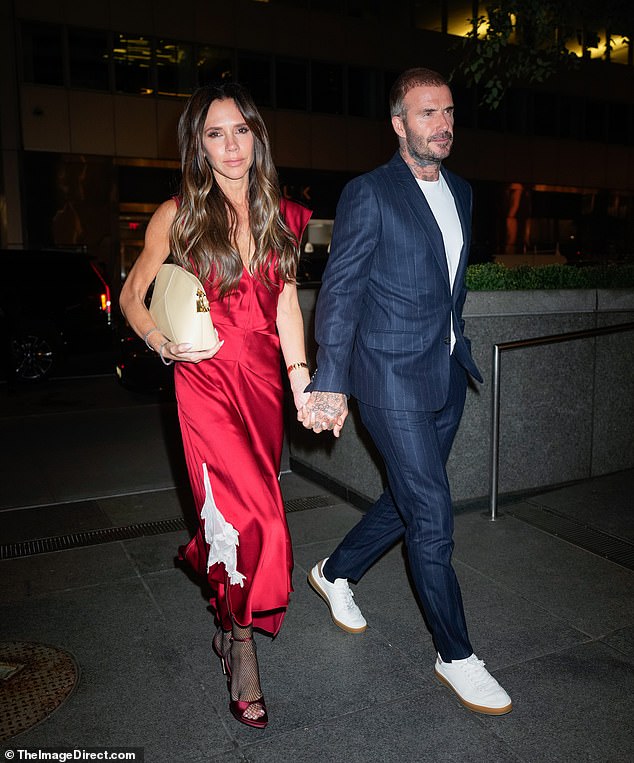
{"x": 230, "y": 411}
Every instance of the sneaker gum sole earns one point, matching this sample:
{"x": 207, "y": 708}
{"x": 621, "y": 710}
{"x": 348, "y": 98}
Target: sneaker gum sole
{"x": 314, "y": 584}
{"x": 476, "y": 708}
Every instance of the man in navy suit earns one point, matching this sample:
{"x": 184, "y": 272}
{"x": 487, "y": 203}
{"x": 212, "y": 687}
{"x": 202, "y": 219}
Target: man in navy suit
{"x": 390, "y": 332}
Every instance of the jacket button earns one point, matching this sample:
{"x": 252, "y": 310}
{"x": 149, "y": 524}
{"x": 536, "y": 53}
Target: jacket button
{"x": 447, "y": 340}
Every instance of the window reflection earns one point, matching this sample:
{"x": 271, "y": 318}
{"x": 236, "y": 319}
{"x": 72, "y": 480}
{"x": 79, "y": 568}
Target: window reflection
{"x": 102, "y": 60}
{"x": 429, "y": 16}
{"x": 620, "y": 51}
{"x": 132, "y": 57}
{"x": 213, "y": 64}
{"x": 174, "y": 68}
{"x": 460, "y": 17}
{"x": 88, "y": 52}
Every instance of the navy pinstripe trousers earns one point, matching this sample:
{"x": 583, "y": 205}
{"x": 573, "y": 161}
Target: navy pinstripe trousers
{"x": 415, "y": 446}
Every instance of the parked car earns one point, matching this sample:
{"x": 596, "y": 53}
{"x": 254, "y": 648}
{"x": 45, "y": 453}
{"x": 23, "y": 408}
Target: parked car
{"x": 53, "y": 304}
{"x": 311, "y": 266}
{"x": 137, "y": 367}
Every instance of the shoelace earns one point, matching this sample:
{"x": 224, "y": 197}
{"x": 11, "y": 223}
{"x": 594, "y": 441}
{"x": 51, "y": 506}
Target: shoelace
{"x": 479, "y": 677}
{"x": 348, "y": 597}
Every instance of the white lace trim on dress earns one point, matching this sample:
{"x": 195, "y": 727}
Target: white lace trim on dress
{"x": 221, "y": 535}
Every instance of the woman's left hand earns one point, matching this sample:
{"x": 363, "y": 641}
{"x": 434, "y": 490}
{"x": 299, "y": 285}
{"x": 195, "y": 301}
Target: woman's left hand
{"x": 299, "y": 380}
{"x": 300, "y": 399}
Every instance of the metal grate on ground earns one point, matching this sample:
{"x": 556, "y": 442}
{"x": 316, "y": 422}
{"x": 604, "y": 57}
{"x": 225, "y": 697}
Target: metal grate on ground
{"x": 310, "y": 502}
{"x": 590, "y": 539}
{"x": 39, "y": 679}
{"x": 128, "y": 532}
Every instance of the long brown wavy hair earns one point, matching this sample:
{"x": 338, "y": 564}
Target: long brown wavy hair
{"x": 202, "y": 236}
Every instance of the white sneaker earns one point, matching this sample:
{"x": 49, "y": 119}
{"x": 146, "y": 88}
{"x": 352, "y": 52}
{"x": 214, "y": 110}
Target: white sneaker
{"x": 339, "y": 599}
{"x": 475, "y": 686}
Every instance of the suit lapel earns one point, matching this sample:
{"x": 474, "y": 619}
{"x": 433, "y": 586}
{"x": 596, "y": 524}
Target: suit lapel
{"x": 416, "y": 201}
{"x": 464, "y": 213}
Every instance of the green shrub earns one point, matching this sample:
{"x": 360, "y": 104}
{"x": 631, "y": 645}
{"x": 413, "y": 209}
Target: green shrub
{"x": 491, "y": 276}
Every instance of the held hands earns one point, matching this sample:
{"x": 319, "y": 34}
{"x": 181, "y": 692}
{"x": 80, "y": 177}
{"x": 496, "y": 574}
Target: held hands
{"x": 299, "y": 380}
{"x": 323, "y": 411}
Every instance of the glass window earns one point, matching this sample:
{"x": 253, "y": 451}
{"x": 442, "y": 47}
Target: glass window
{"x": 42, "y": 54}
{"x": 429, "y": 15}
{"x": 326, "y": 88}
{"x": 175, "y": 73}
{"x": 620, "y": 51}
{"x": 213, "y": 64}
{"x": 88, "y": 52}
{"x": 460, "y": 15}
{"x": 254, "y": 72}
{"x": 132, "y": 55}
{"x": 363, "y": 93}
{"x": 291, "y": 84}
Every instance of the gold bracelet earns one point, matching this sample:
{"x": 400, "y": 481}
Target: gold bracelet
{"x": 294, "y": 366}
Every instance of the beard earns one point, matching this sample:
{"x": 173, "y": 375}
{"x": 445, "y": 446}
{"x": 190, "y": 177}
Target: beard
{"x": 425, "y": 150}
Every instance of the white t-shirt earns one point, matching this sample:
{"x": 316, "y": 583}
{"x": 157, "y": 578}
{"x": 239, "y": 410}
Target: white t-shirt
{"x": 443, "y": 207}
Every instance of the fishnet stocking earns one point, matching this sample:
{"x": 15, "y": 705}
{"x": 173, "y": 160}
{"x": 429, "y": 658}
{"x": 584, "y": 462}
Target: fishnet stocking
{"x": 245, "y": 676}
{"x": 222, "y": 643}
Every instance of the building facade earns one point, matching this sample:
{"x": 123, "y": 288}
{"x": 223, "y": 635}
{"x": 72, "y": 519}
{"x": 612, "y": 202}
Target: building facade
{"x": 90, "y": 95}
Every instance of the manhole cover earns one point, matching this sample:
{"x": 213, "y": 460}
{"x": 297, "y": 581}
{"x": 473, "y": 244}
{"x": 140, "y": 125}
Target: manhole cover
{"x": 35, "y": 679}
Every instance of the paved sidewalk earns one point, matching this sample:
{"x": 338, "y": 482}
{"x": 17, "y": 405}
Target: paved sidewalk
{"x": 555, "y": 624}
{"x": 553, "y": 621}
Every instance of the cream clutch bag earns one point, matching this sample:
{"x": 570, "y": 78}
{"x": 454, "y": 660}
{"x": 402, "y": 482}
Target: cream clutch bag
{"x": 180, "y": 308}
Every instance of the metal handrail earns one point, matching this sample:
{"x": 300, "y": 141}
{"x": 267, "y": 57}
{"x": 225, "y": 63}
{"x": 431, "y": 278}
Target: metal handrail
{"x": 498, "y": 349}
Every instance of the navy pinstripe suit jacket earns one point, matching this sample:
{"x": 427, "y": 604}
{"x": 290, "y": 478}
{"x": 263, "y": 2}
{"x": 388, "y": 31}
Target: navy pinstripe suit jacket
{"x": 384, "y": 310}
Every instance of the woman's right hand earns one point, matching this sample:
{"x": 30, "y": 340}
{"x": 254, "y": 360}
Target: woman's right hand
{"x": 183, "y": 352}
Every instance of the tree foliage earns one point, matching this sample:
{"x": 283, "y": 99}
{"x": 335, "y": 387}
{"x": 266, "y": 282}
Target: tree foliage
{"x": 527, "y": 41}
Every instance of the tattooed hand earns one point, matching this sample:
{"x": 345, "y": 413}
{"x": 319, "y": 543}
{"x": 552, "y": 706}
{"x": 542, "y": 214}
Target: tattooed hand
{"x": 323, "y": 411}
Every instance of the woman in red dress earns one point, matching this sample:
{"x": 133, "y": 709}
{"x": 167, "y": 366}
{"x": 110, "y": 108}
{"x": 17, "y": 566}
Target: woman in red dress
{"x": 231, "y": 228}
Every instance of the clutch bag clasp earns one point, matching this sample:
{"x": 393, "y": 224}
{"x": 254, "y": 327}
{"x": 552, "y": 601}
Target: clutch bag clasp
{"x": 202, "y": 305}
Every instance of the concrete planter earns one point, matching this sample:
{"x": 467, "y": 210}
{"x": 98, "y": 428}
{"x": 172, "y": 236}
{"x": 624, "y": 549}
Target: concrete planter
{"x": 567, "y": 409}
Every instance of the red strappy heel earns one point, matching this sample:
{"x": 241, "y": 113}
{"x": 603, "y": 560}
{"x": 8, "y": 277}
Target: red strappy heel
{"x": 239, "y": 707}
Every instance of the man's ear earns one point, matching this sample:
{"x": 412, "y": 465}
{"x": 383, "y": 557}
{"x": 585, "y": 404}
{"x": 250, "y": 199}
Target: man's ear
{"x": 397, "y": 124}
